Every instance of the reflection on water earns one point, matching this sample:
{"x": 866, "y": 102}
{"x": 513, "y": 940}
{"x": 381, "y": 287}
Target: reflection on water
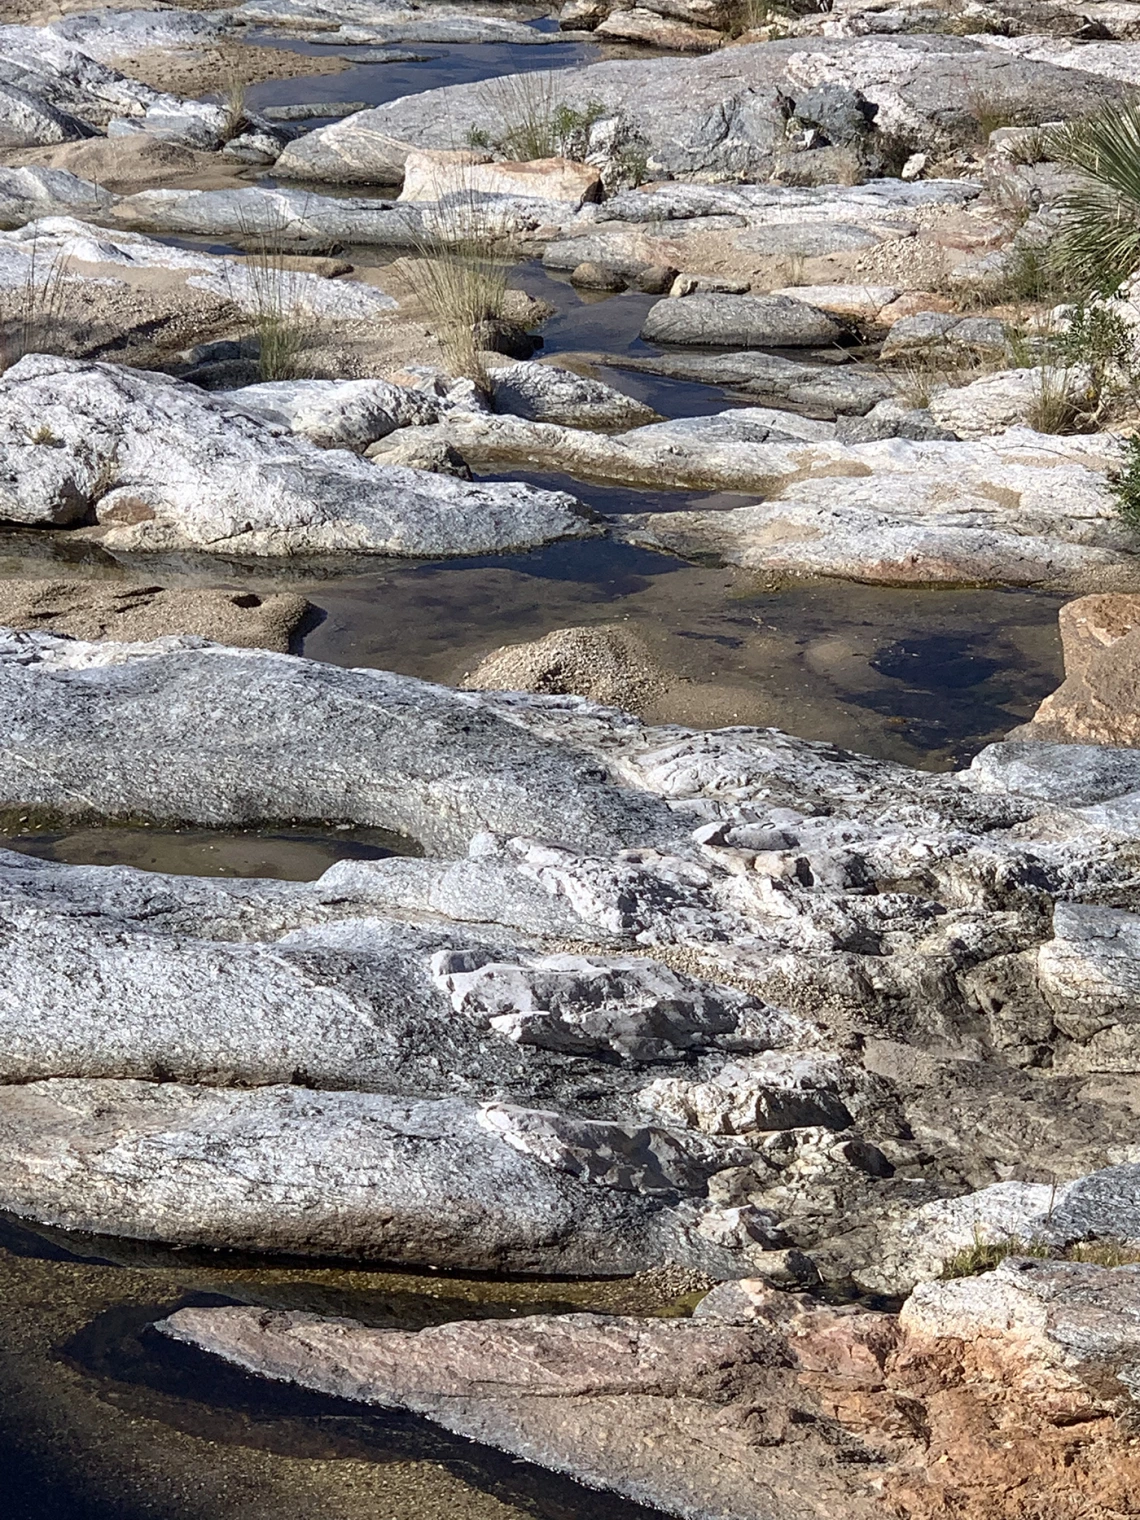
{"x": 925, "y": 676}
{"x": 284, "y": 854}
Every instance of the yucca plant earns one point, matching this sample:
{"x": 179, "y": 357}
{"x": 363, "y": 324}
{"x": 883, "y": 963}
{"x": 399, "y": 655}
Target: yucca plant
{"x": 1099, "y": 244}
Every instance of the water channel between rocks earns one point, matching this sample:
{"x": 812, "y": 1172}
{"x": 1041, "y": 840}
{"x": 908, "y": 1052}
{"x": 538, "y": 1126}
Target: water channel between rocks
{"x": 100, "y": 1419}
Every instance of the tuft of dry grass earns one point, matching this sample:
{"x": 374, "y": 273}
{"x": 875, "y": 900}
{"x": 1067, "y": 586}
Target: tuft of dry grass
{"x": 1055, "y": 409}
{"x": 984, "y": 1255}
{"x": 282, "y": 333}
{"x": 458, "y": 277}
{"x": 34, "y": 315}
{"x": 233, "y": 103}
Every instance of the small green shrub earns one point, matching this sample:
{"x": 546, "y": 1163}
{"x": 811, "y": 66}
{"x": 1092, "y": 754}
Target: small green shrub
{"x": 1125, "y": 488}
{"x": 1099, "y": 337}
{"x": 536, "y": 121}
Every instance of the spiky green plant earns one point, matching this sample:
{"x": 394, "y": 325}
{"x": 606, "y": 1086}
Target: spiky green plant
{"x": 1099, "y": 243}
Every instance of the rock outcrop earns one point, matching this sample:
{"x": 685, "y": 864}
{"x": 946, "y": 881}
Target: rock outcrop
{"x": 1099, "y": 700}
{"x": 1016, "y": 1388}
{"x": 826, "y": 983}
{"x": 722, "y": 115}
{"x": 159, "y": 464}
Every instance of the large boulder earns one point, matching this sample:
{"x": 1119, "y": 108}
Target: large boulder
{"x": 160, "y": 464}
{"x": 717, "y": 321}
{"x": 421, "y": 760}
{"x": 353, "y": 1174}
{"x": 723, "y": 115}
{"x": 433, "y": 175}
{"x": 1099, "y": 700}
{"x": 1024, "y": 509}
{"x": 26, "y": 121}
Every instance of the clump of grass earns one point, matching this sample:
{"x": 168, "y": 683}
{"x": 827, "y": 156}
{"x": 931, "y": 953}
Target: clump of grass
{"x": 282, "y": 332}
{"x": 1032, "y": 148}
{"x": 992, "y": 109}
{"x": 984, "y": 1255}
{"x": 914, "y": 383}
{"x": 459, "y": 280}
{"x": 34, "y": 313}
{"x": 1104, "y": 1253}
{"x": 1125, "y": 489}
{"x": 232, "y": 101}
{"x": 1055, "y": 409}
{"x": 536, "y": 121}
{"x": 749, "y": 15}
{"x": 1099, "y": 241}
{"x": 461, "y": 287}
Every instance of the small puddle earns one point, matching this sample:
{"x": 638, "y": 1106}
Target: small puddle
{"x": 281, "y": 854}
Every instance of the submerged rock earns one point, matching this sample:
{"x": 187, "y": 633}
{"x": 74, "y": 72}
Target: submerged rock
{"x": 86, "y": 610}
{"x": 663, "y": 1412}
{"x": 159, "y": 464}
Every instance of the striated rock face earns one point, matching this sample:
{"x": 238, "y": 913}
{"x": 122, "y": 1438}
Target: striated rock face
{"x": 283, "y": 1169}
{"x": 1099, "y": 700}
{"x": 160, "y": 464}
{"x": 809, "y": 992}
{"x": 1011, "y": 1393}
{"x": 398, "y": 753}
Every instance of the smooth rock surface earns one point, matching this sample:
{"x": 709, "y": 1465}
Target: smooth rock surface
{"x": 159, "y": 464}
{"x": 283, "y": 1169}
{"x": 739, "y": 322}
